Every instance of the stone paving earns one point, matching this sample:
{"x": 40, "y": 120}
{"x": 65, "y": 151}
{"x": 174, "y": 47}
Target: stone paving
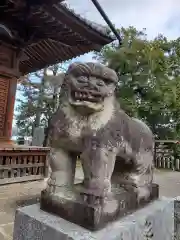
{"x": 21, "y": 194}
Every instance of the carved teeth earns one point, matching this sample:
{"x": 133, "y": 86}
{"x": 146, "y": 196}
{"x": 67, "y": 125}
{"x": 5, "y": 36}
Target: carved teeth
{"x": 87, "y": 96}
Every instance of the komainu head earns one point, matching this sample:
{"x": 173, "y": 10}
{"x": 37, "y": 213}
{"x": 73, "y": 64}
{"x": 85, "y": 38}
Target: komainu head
{"x": 89, "y": 85}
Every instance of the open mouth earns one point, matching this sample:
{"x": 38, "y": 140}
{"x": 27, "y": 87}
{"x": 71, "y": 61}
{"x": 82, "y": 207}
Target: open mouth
{"x": 89, "y": 96}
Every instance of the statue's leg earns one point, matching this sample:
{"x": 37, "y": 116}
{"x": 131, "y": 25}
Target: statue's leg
{"x": 63, "y": 167}
{"x": 142, "y": 174}
{"x": 98, "y": 165}
{"x": 136, "y": 175}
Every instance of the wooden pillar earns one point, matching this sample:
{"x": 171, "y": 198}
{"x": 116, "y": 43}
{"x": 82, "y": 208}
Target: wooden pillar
{"x": 7, "y": 100}
{"x": 8, "y": 81}
{"x": 10, "y": 108}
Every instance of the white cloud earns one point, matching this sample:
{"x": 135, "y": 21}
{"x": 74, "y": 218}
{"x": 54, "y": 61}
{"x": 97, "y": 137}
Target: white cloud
{"x": 150, "y": 14}
{"x": 157, "y": 16}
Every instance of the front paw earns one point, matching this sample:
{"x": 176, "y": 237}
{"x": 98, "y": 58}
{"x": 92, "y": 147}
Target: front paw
{"x": 143, "y": 193}
{"x": 97, "y": 186}
{"x": 51, "y": 185}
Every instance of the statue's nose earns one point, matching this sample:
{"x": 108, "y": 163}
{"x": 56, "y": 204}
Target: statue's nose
{"x": 93, "y": 85}
{"x": 83, "y": 82}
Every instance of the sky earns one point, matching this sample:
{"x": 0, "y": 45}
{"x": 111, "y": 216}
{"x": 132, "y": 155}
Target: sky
{"x": 157, "y": 16}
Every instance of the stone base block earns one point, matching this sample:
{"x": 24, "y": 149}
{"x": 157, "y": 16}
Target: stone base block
{"x": 158, "y": 220}
{"x": 89, "y": 211}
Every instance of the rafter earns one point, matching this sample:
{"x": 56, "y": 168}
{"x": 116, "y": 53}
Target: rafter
{"x": 48, "y": 32}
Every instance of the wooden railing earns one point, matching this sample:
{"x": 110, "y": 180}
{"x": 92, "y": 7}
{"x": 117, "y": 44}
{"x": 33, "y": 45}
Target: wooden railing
{"x": 167, "y": 154}
{"x": 19, "y": 164}
{"x": 24, "y": 163}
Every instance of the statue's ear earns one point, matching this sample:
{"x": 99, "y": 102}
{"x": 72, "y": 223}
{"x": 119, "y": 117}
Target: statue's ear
{"x": 55, "y": 81}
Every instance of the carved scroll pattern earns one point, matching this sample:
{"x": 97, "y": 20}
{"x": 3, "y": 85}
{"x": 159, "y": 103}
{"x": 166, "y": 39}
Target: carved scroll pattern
{"x": 4, "y": 87}
{"x": 148, "y": 231}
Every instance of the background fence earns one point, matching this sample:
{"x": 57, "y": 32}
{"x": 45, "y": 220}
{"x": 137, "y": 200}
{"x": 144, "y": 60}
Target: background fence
{"x": 167, "y": 154}
{"x": 23, "y": 164}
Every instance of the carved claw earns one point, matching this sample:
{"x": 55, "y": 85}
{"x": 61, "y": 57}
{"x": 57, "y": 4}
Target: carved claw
{"x": 51, "y": 187}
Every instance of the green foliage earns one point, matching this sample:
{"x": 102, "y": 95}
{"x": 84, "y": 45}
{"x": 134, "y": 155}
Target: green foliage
{"x": 149, "y": 82}
{"x": 148, "y": 87}
{"x": 39, "y": 99}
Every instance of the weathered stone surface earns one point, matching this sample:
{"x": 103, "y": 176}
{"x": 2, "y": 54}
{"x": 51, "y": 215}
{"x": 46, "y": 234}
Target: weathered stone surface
{"x": 93, "y": 213}
{"x": 114, "y": 148}
{"x": 90, "y": 122}
{"x": 153, "y": 222}
{"x": 177, "y": 218}
{"x": 9, "y": 194}
{"x": 38, "y": 137}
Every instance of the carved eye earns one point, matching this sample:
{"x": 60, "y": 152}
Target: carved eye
{"x": 82, "y": 79}
{"x": 108, "y": 82}
{"x": 100, "y": 83}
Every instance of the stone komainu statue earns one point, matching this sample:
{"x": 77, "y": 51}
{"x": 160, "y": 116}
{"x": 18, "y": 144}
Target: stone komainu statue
{"x": 113, "y": 147}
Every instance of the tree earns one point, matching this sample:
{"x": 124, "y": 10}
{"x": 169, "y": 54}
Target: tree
{"x": 39, "y": 99}
{"x": 148, "y": 86}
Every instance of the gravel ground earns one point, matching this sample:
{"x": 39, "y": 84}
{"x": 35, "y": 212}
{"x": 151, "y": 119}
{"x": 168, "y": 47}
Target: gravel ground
{"x": 14, "y": 195}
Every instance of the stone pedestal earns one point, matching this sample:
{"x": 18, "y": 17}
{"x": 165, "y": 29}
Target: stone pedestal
{"x": 92, "y": 212}
{"x": 158, "y": 220}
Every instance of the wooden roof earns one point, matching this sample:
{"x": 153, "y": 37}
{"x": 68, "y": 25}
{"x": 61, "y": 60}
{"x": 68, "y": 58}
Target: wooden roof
{"x": 50, "y": 33}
